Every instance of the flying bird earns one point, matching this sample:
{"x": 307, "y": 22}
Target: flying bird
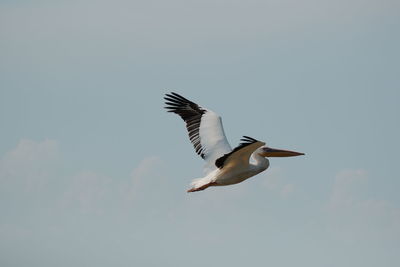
{"x": 224, "y": 165}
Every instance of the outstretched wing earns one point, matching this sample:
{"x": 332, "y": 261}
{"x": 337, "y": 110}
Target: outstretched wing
{"x": 240, "y": 154}
{"x": 204, "y": 127}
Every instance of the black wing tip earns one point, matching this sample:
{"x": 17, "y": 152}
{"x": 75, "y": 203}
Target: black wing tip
{"x": 171, "y": 93}
{"x": 247, "y": 139}
{"x": 176, "y": 99}
{"x": 191, "y": 113}
{"x": 175, "y": 96}
{"x": 176, "y": 103}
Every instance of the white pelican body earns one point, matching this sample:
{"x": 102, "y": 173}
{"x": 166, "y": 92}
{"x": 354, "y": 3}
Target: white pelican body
{"x": 224, "y": 165}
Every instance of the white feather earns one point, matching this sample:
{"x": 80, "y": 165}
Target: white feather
{"x": 213, "y": 139}
{"x": 199, "y": 182}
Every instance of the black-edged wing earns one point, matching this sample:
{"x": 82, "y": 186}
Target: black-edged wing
{"x": 204, "y": 128}
{"x": 240, "y": 154}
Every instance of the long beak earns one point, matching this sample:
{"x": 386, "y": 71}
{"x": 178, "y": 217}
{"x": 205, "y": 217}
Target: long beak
{"x": 272, "y": 152}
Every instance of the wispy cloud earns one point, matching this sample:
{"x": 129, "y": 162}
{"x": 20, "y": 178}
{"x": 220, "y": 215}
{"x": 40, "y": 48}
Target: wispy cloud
{"x": 146, "y": 173}
{"x": 28, "y": 166}
{"x": 88, "y": 191}
{"x": 354, "y": 216}
{"x": 32, "y": 169}
{"x": 134, "y": 210}
{"x": 275, "y": 181}
{"x": 347, "y": 187}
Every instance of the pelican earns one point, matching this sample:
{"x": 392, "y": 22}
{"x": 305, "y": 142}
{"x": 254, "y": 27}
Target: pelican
{"x": 224, "y": 165}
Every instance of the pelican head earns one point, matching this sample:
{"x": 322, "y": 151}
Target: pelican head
{"x": 273, "y": 152}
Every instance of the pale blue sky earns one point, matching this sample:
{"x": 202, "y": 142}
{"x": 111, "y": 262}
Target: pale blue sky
{"x": 93, "y": 171}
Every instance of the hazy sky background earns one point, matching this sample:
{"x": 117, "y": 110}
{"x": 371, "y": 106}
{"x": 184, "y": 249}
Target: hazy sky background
{"x": 93, "y": 171}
